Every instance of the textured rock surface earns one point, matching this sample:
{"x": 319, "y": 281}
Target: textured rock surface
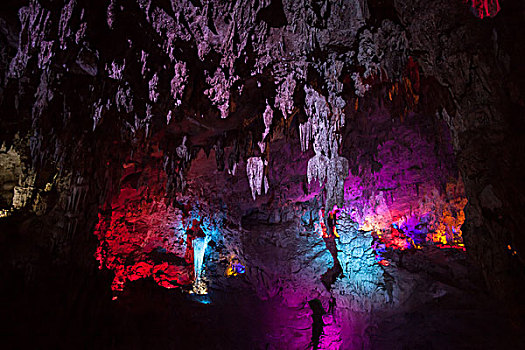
{"x": 262, "y": 174}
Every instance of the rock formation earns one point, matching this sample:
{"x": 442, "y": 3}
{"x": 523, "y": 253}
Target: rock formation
{"x": 271, "y": 174}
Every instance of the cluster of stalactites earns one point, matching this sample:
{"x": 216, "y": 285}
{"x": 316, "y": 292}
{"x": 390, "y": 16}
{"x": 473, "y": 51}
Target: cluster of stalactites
{"x": 256, "y": 177}
{"x": 255, "y": 165}
{"x": 284, "y": 97}
{"x": 322, "y": 128}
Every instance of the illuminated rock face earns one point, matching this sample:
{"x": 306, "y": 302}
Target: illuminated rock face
{"x": 144, "y": 238}
{"x": 357, "y": 257}
{"x": 414, "y": 194}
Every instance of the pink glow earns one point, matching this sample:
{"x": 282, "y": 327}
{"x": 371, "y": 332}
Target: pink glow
{"x": 486, "y": 8}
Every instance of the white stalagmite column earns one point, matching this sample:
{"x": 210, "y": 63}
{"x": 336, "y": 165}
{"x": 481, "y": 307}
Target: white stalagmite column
{"x": 199, "y": 247}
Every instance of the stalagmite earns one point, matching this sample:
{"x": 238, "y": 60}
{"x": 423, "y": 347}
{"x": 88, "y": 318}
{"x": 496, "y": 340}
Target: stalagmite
{"x": 199, "y": 248}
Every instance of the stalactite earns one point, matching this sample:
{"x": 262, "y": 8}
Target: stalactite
{"x": 168, "y": 118}
{"x": 284, "y": 99}
{"x": 45, "y": 54}
{"x": 97, "y": 115}
{"x": 64, "y": 29}
{"x": 305, "y": 135}
{"x": 267, "y": 117}
{"x": 153, "y": 93}
{"x": 182, "y": 150}
{"x": 110, "y": 14}
{"x": 35, "y": 22}
{"x": 124, "y": 99}
{"x": 219, "y": 92}
{"x": 144, "y": 60}
{"x": 81, "y": 32}
{"x": 178, "y": 83}
{"x": 256, "y": 177}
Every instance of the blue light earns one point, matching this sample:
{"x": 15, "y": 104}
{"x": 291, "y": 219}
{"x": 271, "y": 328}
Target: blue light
{"x": 199, "y": 247}
{"x": 202, "y": 299}
{"x": 239, "y": 268}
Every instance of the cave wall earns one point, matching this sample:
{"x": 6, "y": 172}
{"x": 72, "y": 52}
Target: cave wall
{"x": 127, "y": 124}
